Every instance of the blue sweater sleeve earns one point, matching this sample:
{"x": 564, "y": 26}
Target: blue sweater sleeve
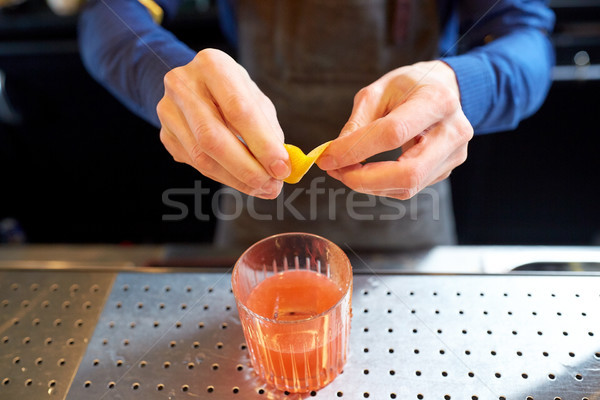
{"x": 129, "y": 54}
{"x": 505, "y": 74}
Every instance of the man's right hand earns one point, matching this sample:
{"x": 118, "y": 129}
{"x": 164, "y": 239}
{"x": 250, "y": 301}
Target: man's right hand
{"x": 209, "y": 105}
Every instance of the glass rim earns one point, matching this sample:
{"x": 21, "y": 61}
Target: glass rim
{"x": 311, "y": 318}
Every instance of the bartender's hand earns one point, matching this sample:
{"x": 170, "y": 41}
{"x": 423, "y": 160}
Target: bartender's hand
{"x": 209, "y": 105}
{"x": 415, "y": 107}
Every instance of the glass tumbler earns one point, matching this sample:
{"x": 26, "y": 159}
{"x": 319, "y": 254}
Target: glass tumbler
{"x": 293, "y": 293}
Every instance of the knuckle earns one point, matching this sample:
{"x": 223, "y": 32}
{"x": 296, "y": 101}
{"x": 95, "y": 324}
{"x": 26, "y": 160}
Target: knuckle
{"x": 171, "y": 145}
{"x": 350, "y": 126}
{"x": 368, "y": 94}
{"x": 171, "y": 79}
{"x": 465, "y": 129}
{"x": 161, "y": 108}
{"x": 442, "y": 100}
{"x": 200, "y": 160}
{"x": 205, "y": 135}
{"x": 207, "y": 141}
{"x": 208, "y": 58}
{"x": 414, "y": 179}
{"x": 251, "y": 178}
{"x": 165, "y": 138}
{"x": 461, "y": 132}
{"x": 405, "y": 194}
{"x": 395, "y": 134}
{"x": 448, "y": 99}
{"x": 238, "y": 108}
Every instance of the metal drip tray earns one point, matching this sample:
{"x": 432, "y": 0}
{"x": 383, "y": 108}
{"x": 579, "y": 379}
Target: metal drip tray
{"x": 170, "y": 336}
{"x": 46, "y": 322}
{"x": 123, "y": 335}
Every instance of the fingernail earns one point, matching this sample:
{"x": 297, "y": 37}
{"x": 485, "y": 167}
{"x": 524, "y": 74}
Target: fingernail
{"x": 279, "y": 169}
{"x": 270, "y": 188}
{"x": 327, "y": 162}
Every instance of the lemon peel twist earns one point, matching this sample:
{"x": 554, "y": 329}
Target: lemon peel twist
{"x": 301, "y": 162}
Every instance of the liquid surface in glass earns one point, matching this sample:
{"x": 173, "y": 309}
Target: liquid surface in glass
{"x": 298, "y": 357}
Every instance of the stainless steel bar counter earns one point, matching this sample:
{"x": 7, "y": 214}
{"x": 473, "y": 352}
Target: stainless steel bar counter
{"x": 105, "y": 329}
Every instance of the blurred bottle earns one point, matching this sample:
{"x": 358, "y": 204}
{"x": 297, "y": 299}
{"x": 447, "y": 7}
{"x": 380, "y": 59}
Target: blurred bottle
{"x": 65, "y": 8}
{"x": 11, "y": 231}
{"x": 8, "y": 4}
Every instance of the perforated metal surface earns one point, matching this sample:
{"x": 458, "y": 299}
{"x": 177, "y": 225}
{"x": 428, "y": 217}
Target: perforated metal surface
{"x": 46, "y": 321}
{"x": 172, "y": 336}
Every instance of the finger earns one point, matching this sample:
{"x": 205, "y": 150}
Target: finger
{"x": 173, "y": 146}
{"x": 431, "y": 156}
{"x": 393, "y": 130}
{"x": 211, "y": 169}
{"x": 368, "y": 106}
{"x": 216, "y": 172}
{"x": 441, "y": 177}
{"x": 202, "y": 132}
{"x": 244, "y": 106}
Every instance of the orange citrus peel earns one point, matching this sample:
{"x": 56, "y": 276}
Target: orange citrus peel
{"x": 301, "y": 162}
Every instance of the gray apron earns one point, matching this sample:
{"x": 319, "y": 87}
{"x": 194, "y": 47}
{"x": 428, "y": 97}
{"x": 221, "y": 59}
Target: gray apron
{"x": 310, "y": 57}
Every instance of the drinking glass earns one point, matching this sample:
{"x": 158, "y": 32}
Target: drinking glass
{"x": 293, "y": 293}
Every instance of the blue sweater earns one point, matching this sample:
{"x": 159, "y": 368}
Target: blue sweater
{"x": 500, "y": 82}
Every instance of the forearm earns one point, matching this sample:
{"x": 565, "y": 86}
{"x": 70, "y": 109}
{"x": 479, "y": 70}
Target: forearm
{"x": 506, "y": 80}
{"x": 128, "y": 53}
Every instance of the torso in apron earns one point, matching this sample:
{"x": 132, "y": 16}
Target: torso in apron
{"x": 310, "y": 57}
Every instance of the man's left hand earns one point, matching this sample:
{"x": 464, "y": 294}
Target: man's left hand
{"x": 416, "y": 107}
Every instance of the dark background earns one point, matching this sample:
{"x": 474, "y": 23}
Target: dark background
{"x": 77, "y": 167}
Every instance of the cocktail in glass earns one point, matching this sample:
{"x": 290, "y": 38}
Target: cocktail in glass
{"x": 293, "y": 292}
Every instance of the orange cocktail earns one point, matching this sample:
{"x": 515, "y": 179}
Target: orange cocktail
{"x": 295, "y": 309}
